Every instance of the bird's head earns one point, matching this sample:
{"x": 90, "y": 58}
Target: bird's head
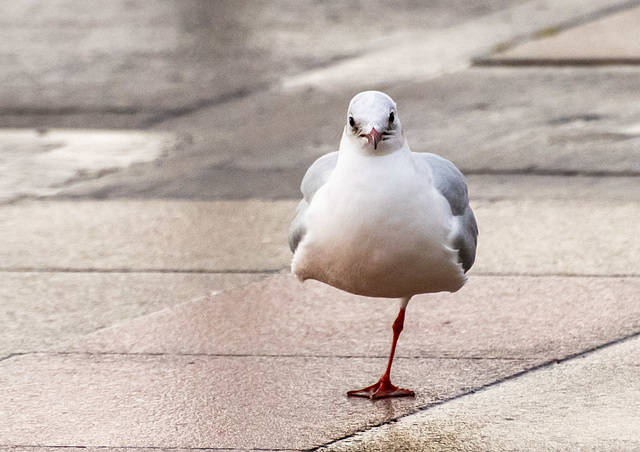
{"x": 373, "y": 124}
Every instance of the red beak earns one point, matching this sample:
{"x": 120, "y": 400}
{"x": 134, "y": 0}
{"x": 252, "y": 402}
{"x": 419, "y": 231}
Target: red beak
{"x": 374, "y": 137}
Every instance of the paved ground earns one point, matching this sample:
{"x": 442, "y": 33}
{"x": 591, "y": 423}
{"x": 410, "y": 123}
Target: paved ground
{"x": 147, "y": 304}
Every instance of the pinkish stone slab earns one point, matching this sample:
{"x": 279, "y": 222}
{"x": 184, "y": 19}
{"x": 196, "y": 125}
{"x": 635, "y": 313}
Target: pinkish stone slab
{"x": 538, "y": 318}
{"x": 213, "y": 401}
{"x": 42, "y": 309}
{"x": 267, "y": 365}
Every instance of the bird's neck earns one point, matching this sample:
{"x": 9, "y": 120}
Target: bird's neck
{"x": 353, "y": 162}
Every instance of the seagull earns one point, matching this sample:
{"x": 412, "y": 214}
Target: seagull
{"x": 379, "y": 220}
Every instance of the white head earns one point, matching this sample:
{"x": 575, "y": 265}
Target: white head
{"x": 373, "y": 125}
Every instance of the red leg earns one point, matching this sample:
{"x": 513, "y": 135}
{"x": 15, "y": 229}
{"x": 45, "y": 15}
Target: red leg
{"x": 384, "y": 388}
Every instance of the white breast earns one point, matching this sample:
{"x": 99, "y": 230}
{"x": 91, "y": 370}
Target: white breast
{"x": 378, "y": 228}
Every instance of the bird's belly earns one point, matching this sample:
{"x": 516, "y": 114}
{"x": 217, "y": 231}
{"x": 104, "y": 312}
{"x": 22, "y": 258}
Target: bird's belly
{"x": 384, "y": 255}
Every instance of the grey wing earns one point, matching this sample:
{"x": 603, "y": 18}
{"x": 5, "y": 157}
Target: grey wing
{"x": 316, "y": 176}
{"x": 449, "y": 181}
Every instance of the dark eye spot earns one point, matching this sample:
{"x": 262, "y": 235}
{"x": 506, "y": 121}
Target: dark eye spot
{"x": 352, "y": 122}
{"x": 392, "y": 117}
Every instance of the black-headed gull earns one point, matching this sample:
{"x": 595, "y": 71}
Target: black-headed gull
{"x": 381, "y": 221}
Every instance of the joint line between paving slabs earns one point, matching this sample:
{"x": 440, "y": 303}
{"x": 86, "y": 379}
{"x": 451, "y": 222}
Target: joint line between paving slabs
{"x": 270, "y": 355}
{"x": 12, "y": 355}
{"x": 43, "y": 446}
{"x": 547, "y": 275}
{"x": 174, "y": 113}
{"x": 487, "y": 386}
{"x": 595, "y": 15}
{"x": 70, "y": 110}
{"x": 271, "y": 271}
{"x": 566, "y": 25}
{"x": 138, "y": 270}
{"x": 564, "y": 62}
{"x": 243, "y": 92}
{"x": 548, "y": 171}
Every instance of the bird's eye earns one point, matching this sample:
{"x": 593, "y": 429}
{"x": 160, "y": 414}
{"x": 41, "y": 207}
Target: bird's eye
{"x": 392, "y": 117}
{"x": 352, "y": 122}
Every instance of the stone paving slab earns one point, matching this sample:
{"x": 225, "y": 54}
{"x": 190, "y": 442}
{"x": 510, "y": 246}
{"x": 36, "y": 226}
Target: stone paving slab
{"x": 146, "y": 235}
{"x": 122, "y": 57}
{"x": 499, "y": 187}
{"x": 590, "y": 403}
{"x": 491, "y": 317}
{"x": 528, "y": 120}
{"x": 267, "y": 365}
{"x": 65, "y": 119}
{"x": 614, "y": 39}
{"x": 44, "y": 309}
{"x": 561, "y": 237}
{"x": 516, "y": 237}
{"x": 211, "y": 401}
{"x": 150, "y": 55}
{"x": 41, "y": 162}
{"x": 428, "y": 53}
{"x": 557, "y": 121}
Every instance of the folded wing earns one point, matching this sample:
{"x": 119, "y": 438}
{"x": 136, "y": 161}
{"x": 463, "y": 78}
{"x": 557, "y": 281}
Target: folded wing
{"x": 450, "y": 182}
{"x": 316, "y": 176}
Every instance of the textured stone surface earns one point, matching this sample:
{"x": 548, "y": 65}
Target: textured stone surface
{"x": 516, "y": 237}
{"x": 40, "y": 162}
{"x": 590, "y": 403}
{"x": 115, "y": 449}
{"x": 561, "y": 237}
{"x": 613, "y": 39}
{"x": 267, "y": 365}
{"x": 528, "y": 120}
{"x": 211, "y": 401}
{"x": 491, "y": 317}
{"x": 540, "y": 121}
{"x": 40, "y": 310}
{"x": 426, "y": 54}
{"x": 498, "y": 187}
{"x": 127, "y": 57}
{"x": 138, "y": 235}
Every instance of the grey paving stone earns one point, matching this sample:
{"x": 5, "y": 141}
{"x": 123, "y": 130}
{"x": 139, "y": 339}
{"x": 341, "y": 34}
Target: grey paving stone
{"x": 147, "y": 55}
{"x": 426, "y": 54}
{"x": 528, "y": 120}
{"x": 614, "y": 39}
{"x": 531, "y": 121}
{"x": 267, "y": 365}
{"x": 40, "y": 162}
